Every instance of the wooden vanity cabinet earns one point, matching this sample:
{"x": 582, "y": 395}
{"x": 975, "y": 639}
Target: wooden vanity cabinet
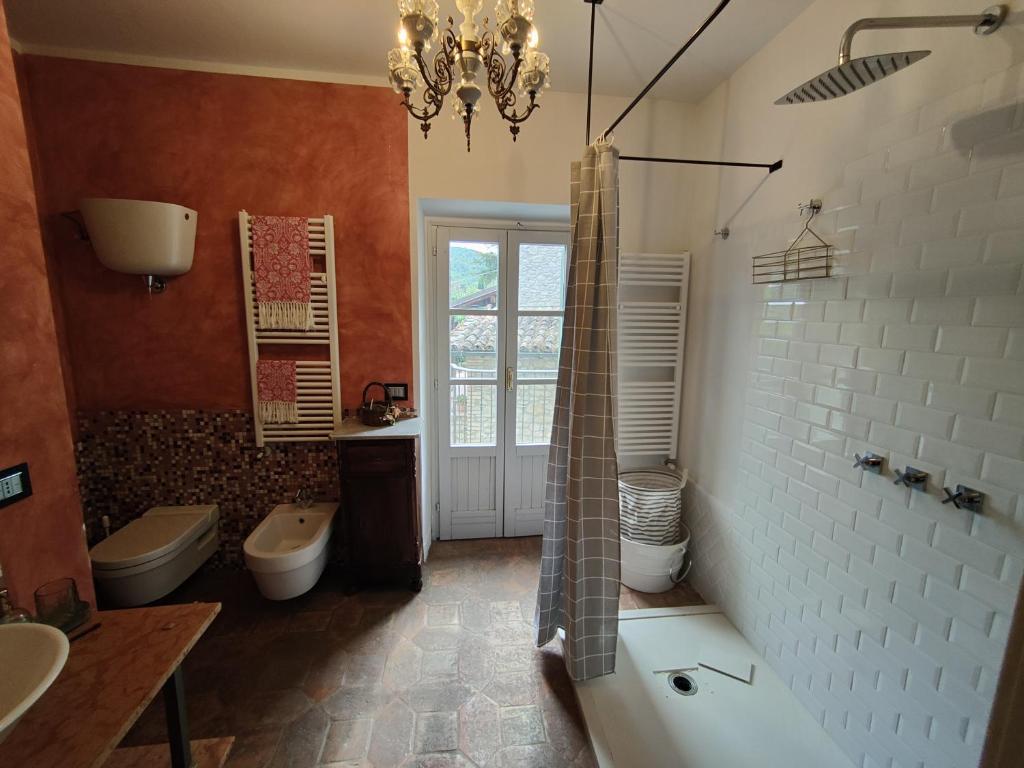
{"x": 380, "y": 504}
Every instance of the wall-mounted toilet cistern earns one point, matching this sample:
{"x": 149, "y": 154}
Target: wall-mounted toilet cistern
{"x": 141, "y": 237}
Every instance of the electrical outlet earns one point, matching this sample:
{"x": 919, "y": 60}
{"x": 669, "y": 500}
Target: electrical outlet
{"x": 15, "y": 484}
{"x": 399, "y": 392}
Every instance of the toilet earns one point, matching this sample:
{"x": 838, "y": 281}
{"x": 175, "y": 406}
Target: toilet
{"x": 152, "y": 555}
{"x": 288, "y": 550}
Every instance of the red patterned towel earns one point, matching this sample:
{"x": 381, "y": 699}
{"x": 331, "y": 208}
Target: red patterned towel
{"x": 280, "y": 248}
{"x": 276, "y": 390}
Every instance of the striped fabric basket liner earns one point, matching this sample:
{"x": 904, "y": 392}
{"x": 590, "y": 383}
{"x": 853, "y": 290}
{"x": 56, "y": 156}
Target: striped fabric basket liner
{"x": 651, "y": 506}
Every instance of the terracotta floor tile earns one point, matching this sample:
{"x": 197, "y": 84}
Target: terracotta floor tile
{"x": 505, "y": 611}
{"x": 302, "y": 740}
{"x": 441, "y": 696}
{"x": 439, "y": 664}
{"x": 347, "y": 740}
{"x": 391, "y": 741}
{"x": 436, "y": 732}
{"x": 521, "y": 726}
{"x": 310, "y": 621}
{"x": 354, "y": 703}
{"x": 512, "y": 689}
{"x": 440, "y": 760}
{"x": 365, "y": 670}
{"x": 403, "y": 667}
{"x": 254, "y": 750}
{"x": 438, "y": 638}
{"x": 533, "y": 756}
{"x": 479, "y": 729}
{"x": 444, "y": 615}
{"x": 476, "y": 614}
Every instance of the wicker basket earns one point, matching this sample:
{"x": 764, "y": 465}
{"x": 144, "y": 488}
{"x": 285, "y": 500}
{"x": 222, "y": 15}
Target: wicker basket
{"x": 651, "y": 506}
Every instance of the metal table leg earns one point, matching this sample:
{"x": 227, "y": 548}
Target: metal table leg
{"x": 177, "y": 721}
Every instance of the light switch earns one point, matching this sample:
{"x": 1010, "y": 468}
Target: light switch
{"x": 398, "y": 392}
{"x": 15, "y": 484}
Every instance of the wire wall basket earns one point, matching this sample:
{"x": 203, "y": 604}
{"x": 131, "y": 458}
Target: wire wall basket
{"x": 798, "y": 262}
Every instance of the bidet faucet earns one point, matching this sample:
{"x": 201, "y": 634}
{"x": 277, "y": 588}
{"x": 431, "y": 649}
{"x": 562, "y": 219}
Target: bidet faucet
{"x": 304, "y": 498}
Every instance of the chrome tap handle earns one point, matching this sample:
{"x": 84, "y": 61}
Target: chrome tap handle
{"x": 869, "y": 462}
{"x": 964, "y": 498}
{"x": 912, "y": 478}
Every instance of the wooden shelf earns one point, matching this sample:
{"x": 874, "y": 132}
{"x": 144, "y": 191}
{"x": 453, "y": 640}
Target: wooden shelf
{"x": 112, "y": 674}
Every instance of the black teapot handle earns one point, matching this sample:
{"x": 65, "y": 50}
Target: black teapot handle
{"x": 387, "y": 392}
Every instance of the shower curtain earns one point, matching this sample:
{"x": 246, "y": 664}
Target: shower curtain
{"x": 579, "y": 578}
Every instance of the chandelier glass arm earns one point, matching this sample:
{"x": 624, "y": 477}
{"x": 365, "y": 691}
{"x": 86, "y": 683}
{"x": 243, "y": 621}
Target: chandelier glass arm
{"x": 501, "y": 82}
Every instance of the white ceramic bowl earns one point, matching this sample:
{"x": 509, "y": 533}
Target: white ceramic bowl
{"x": 31, "y": 657}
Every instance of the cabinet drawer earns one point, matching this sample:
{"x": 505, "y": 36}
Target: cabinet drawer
{"x": 377, "y": 456}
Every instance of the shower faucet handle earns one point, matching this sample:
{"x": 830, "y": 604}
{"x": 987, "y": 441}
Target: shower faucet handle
{"x": 869, "y": 462}
{"x": 915, "y": 479}
{"x": 964, "y": 498}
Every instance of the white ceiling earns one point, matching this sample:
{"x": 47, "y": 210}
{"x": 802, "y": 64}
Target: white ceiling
{"x": 351, "y": 37}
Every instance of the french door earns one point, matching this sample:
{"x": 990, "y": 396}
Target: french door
{"x": 500, "y": 299}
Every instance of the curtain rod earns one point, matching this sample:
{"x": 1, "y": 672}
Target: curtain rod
{"x": 772, "y": 167}
{"x": 667, "y": 67}
{"x": 590, "y": 68}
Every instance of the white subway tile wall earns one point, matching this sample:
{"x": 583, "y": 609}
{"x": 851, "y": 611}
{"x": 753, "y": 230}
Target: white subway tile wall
{"x": 885, "y": 610}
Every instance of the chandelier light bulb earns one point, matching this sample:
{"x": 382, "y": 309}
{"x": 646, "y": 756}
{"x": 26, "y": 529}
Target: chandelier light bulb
{"x": 469, "y": 8}
{"x": 419, "y": 23}
{"x": 535, "y": 74}
{"x": 403, "y": 74}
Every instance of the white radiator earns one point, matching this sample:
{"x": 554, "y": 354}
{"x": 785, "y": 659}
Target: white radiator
{"x": 318, "y": 381}
{"x": 652, "y": 332}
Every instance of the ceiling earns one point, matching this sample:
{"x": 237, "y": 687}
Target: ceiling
{"x": 351, "y": 37}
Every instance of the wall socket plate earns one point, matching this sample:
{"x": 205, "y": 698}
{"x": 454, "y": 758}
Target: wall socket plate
{"x": 399, "y": 392}
{"x": 15, "y": 484}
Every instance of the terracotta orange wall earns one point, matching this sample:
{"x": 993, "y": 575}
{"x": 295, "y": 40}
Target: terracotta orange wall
{"x": 218, "y": 144}
{"x": 40, "y": 537}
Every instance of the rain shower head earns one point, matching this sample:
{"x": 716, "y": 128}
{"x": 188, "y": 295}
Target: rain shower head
{"x": 853, "y": 74}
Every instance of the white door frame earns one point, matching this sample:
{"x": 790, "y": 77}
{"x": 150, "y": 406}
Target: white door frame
{"x": 431, "y": 443}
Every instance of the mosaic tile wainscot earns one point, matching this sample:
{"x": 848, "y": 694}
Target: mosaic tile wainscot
{"x": 129, "y": 461}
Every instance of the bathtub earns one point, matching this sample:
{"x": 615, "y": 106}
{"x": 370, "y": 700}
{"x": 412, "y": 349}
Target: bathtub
{"x": 636, "y": 719}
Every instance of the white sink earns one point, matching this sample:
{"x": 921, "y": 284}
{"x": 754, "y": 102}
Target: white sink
{"x": 31, "y": 657}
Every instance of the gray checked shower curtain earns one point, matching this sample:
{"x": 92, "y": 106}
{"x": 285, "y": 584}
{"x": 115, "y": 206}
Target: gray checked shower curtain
{"x": 579, "y": 578}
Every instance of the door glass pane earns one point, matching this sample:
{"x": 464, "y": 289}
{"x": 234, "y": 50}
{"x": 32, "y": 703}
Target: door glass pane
{"x": 474, "y": 414}
{"x": 472, "y": 275}
{"x": 472, "y": 344}
{"x": 541, "y": 276}
{"x": 540, "y": 338}
{"x": 535, "y": 408}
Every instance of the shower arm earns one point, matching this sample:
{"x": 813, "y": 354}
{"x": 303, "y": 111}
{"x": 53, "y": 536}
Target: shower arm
{"x": 984, "y": 23}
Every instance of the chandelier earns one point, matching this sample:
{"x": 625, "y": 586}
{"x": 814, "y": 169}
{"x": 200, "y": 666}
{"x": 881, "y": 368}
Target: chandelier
{"x": 514, "y": 85}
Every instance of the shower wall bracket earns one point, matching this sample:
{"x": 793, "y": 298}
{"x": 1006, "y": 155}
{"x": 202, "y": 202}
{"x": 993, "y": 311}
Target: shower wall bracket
{"x": 985, "y": 23}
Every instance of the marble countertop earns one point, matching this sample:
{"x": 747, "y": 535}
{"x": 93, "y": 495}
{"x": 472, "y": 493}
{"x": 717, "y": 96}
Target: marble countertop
{"x": 353, "y": 429}
{"x": 112, "y": 674}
